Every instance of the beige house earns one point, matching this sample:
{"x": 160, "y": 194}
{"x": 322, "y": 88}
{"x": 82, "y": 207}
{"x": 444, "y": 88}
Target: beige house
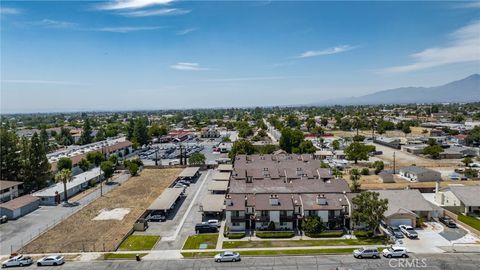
{"x": 419, "y": 174}
{"x": 465, "y": 198}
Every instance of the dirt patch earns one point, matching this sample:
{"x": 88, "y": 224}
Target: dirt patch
{"x": 80, "y": 232}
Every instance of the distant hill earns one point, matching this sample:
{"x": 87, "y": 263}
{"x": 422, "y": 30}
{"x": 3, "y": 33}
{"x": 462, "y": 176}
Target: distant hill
{"x": 465, "y": 90}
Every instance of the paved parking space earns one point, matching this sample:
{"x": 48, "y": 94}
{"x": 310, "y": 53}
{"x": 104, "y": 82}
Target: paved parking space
{"x": 181, "y": 222}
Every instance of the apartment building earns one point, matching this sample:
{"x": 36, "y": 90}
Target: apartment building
{"x": 282, "y": 189}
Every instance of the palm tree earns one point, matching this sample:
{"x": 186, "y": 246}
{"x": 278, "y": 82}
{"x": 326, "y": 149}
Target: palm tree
{"x": 64, "y": 176}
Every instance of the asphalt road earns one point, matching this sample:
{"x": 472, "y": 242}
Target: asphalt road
{"x": 434, "y": 261}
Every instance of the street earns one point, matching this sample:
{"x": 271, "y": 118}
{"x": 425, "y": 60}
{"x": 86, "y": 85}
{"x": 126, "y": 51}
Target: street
{"x": 434, "y": 261}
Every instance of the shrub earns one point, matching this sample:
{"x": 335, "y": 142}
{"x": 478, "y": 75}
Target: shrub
{"x": 275, "y": 234}
{"x": 365, "y": 171}
{"x": 235, "y": 235}
{"x": 363, "y": 234}
{"x": 271, "y": 226}
{"x": 332, "y": 234}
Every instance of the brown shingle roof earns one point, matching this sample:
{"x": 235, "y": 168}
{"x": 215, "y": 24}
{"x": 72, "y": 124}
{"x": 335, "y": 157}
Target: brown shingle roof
{"x": 19, "y": 202}
{"x": 4, "y": 184}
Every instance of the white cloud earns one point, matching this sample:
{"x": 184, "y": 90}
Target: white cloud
{"x": 188, "y": 66}
{"x": 186, "y": 31}
{"x": 55, "y": 24}
{"x": 131, "y": 4}
{"x": 127, "y": 29}
{"x": 473, "y": 4}
{"x": 9, "y": 11}
{"x": 41, "y": 82}
{"x": 334, "y": 50}
{"x": 464, "y": 47}
{"x": 241, "y": 79}
{"x": 156, "y": 12}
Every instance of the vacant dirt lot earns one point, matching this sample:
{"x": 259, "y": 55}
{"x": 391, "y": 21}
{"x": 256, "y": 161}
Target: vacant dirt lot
{"x": 80, "y": 232}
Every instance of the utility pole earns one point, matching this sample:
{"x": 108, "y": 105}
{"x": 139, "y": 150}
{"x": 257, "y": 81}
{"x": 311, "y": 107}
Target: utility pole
{"x": 393, "y": 162}
{"x": 156, "y": 157}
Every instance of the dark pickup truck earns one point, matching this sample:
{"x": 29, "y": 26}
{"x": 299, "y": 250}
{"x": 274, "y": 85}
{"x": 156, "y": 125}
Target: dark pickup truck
{"x": 448, "y": 222}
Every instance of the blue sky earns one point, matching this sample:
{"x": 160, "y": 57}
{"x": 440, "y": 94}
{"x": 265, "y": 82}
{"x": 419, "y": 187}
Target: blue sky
{"x": 157, "y": 54}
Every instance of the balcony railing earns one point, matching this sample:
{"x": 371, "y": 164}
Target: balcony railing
{"x": 286, "y": 218}
{"x": 237, "y": 218}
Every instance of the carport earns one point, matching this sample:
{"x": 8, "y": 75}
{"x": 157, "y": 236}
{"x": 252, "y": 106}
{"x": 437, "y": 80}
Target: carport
{"x": 189, "y": 173}
{"x": 218, "y": 186}
{"x": 213, "y": 204}
{"x": 221, "y": 176}
{"x": 166, "y": 200}
{"x": 225, "y": 168}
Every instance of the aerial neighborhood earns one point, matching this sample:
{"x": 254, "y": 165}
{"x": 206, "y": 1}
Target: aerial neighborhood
{"x": 239, "y": 180}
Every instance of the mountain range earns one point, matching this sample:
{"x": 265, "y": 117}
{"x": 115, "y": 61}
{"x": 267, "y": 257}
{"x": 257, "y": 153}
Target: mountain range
{"x": 464, "y": 90}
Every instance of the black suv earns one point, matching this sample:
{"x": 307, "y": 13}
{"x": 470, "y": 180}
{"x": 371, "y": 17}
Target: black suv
{"x": 448, "y": 222}
{"x": 205, "y": 228}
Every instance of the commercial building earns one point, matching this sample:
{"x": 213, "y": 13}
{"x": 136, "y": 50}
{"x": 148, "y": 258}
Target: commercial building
{"x": 52, "y": 195}
{"x": 283, "y": 189}
{"x": 390, "y": 142}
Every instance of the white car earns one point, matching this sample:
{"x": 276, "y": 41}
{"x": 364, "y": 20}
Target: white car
{"x": 395, "y": 252}
{"x": 408, "y": 231}
{"x": 214, "y": 222}
{"x": 19, "y": 260}
{"x": 51, "y": 260}
{"x": 227, "y": 256}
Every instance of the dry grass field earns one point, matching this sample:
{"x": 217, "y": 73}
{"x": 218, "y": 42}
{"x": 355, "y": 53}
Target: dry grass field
{"x": 80, "y": 232}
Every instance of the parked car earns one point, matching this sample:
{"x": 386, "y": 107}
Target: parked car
{"x": 205, "y": 228}
{"x": 227, "y": 256}
{"x": 51, "y": 260}
{"x": 366, "y": 252}
{"x": 214, "y": 222}
{"x": 3, "y": 219}
{"x": 396, "y": 232}
{"x": 448, "y": 222}
{"x": 408, "y": 231}
{"x": 395, "y": 252}
{"x": 18, "y": 260}
{"x": 184, "y": 182}
{"x": 157, "y": 216}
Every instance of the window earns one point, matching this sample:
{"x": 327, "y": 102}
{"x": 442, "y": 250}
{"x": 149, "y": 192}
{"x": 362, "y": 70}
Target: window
{"x": 235, "y": 223}
{"x": 235, "y": 213}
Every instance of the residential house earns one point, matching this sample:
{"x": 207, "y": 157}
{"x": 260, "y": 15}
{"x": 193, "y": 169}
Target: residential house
{"x": 419, "y": 174}
{"x": 465, "y": 199}
{"x": 9, "y": 190}
{"x": 406, "y": 206}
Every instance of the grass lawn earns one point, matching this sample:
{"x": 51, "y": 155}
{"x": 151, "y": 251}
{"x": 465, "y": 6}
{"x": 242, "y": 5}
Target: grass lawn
{"x": 471, "y": 221}
{"x": 122, "y": 256}
{"x": 301, "y": 243}
{"x": 274, "y": 252}
{"x": 194, "y": 241}
{"x": 139, "y": 242}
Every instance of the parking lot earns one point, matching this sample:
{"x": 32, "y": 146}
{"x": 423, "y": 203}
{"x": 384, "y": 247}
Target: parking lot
{"x": 181, "y": 220}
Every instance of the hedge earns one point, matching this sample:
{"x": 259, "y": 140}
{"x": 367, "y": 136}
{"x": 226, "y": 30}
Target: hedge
{"x": 235, "y": 235}
{"x": 275, "y": 234}
{"x": 470, "y": 221}
{"x": 333, "y": 234}
{"x": 363, "y": 233}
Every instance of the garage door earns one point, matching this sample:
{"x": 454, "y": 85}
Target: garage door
{"x": 400, "y": 221}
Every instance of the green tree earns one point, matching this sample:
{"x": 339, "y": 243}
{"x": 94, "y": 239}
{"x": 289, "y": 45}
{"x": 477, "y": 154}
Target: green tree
{"x": 140, "y": 132}
{"x": 64, "y": 137}
{"x": 38, "y": 165}
{"x": 312, "y": 225}
{"x": 64, "y": 163}
{"x": 100, "y": 136}
{"x": 64, "y": 176}
{"x": 355, "y": 177}
{"x": 86, "y": 136}
{"x": 241, "y": 147}
{"x": 113, "y": 159}
{"x": 9, "y": 155}
{"x": 467, "y": 161}
{"x": 379, "y": 166}
{"x": 473, "y": 137}
{"x": 336, "y": 145}
{"x": 292, "y": 121}
{"x": 291, "y": 139}
{"x": 84, "y": 164}
{"x": 156, "y": 130}
{"x": 267, "y": 149}
{"x": 357, "y": 151}
{"x": 133, "y": 168}
{"x": 95, "y": 157}
{"x": 311, "y": 124}
{"x": 305, "y": 147}
{"x": 324, "y": 122}
{"x": 130, "y": 129}
{"x": 108, "y": 169}
{"x": 433, "y": 149}
{"x": 196, "y": 159}
{"x": 44, "y": 139}
{"x": 369, "y": 209}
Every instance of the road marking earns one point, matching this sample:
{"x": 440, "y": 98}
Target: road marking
{"x": 180, "y": 226}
